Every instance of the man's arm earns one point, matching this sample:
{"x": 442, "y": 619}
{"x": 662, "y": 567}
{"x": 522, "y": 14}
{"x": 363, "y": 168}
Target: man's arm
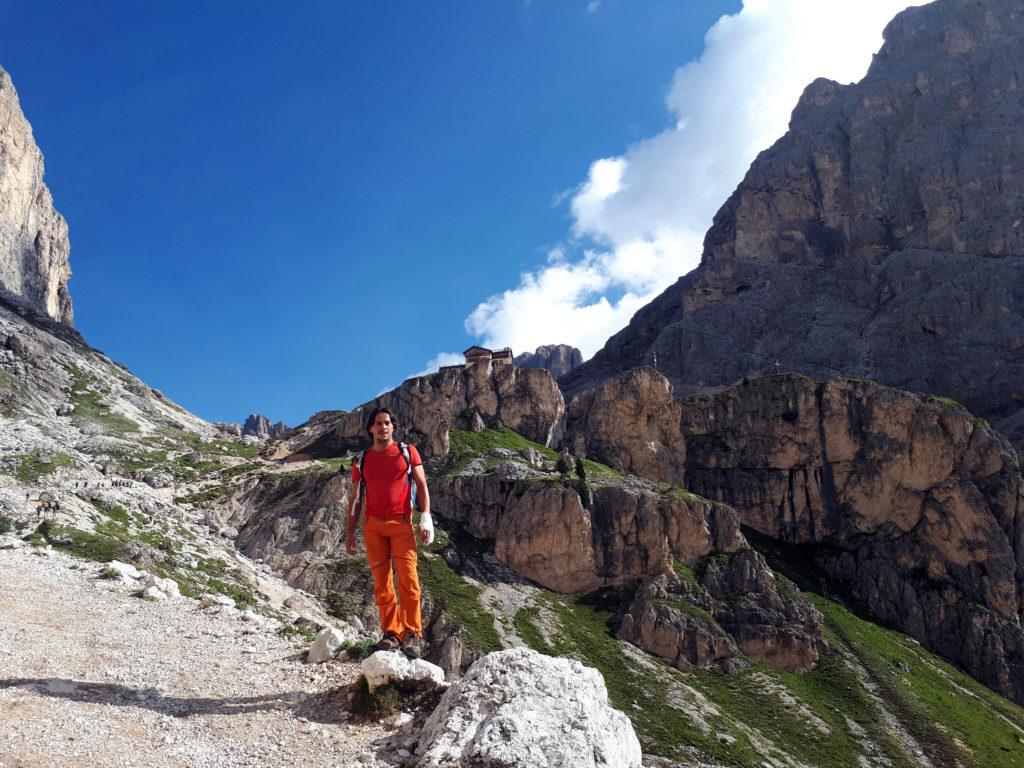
{"x": 353, "y": 521}
{"x": 423, "y": 499}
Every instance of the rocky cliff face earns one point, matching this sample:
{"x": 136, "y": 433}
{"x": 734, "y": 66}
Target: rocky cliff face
{"x": 910, "y": 503}
{"x": 258, "y": 425}
{"x": 34, "y": 243}
{"x": 630, "y": 422}
{"x": 542, "y": 530}
{"x": 879, "y": 238}
{"x": 485, "y": 394}
{"x": 556, "y": 359}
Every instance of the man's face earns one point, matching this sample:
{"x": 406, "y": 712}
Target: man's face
{"x": 382, "y": 428}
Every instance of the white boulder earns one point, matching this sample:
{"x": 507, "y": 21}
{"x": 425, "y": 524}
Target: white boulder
{"x": 209, "y": 600}
{"x": 520, "y": 709}
{"x": 327, "y": 644}
{"x": 393, "y": 667}
{"x": 169, "y": 587}
{"x": 124, "y": 571}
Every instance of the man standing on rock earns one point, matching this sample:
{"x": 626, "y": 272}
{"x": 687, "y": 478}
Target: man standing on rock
{"x": 382, "y": 481}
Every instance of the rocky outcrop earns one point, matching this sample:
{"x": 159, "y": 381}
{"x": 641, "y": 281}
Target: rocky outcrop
{"x": 542, "y": 530}
{"x": 520, "y": 709}
{"x": 729, "y": 603}
{"x": 258, "y": 425}
{"x": 34, "y": 244}
{"x": 527, "y": 401}
{"x": 556, "y": 359}
{"x": 879, "y": 238}
{"x": 629, "y": 422}
{"x": 912, "y": 504}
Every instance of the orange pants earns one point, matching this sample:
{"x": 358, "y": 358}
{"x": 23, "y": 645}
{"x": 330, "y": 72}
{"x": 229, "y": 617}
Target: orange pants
{"x": 392, "y": 539}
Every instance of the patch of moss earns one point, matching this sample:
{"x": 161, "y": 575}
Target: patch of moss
{"x": 229, "y": 473}
{"x": 461, "y": 600}
{"x": 383, "y": 702}
{"x": 461, "y": 441}
{"x": 342, "y": 604}
{"x": 31, "y": 467}
{"x": 243, "y": 597}
{"x": 687, "y": 576}
{"x": 211, "y": 566}
{"x": 113, "y": 511}
{"x": 665, "y": 489}
{"x": 303, "y": 633}
{"x": 202, "y": 497}
{"x": 98, "y": 546}
{"x": 89, "y": 408}
{"x": 358, "y": 649}
{"x": 525, "y": 625}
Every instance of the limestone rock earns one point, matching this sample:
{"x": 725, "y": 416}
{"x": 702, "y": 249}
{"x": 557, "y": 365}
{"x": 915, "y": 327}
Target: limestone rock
{"x": 258, "y": 425}
{"x": 525, "y": 400}
{"x": 676, "y": 628}
{"x": 220, "y": 601}
{"x": 229, "y": 428}
{"x": 542, "y": 531}
{"x": 124, "y": 571}
{"x": 879, "y": 238}
{"x": 385, "y": 667}
{"x": 556, "y": 359}
{"x": 913, "y": 504}
{"x": 34, "y": 244}
{"x": 733, "y": 606}
{"x": 167, "y": 587}
{"x": 519, "y": 709}
{"x": 327, "y": 644}
{"x": 630, "y": 422}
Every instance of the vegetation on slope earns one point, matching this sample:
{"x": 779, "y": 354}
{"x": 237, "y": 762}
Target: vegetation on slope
{"x": 827, "y": 717}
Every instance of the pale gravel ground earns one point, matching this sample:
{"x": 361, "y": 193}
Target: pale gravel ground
{"x": 90, "y": 676}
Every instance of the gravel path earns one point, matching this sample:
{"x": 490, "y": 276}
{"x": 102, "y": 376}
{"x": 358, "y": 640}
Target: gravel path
{"x": 90, "y": 676}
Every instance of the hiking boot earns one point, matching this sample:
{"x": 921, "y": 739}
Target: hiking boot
{"x": 389, "y": 642}
{"x": 412, "y": 646}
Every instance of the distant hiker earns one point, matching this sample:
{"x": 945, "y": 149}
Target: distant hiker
{"x": 386, "y": 481}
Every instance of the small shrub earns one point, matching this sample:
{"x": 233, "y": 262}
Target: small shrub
{"x": 106, "y": 572}
{"x": 358, "y": 649}
{"x": 306, "y": 634}
{"x": 45, "y": 529}
{"x": 141, "y": 594}
{"x": 341, "y": 604}
{"x": 382, "y": 703}
{"x": 6, "y": 524}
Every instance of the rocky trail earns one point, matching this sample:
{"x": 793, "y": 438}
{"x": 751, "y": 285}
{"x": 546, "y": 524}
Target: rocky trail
{"x": 92, "y": 676}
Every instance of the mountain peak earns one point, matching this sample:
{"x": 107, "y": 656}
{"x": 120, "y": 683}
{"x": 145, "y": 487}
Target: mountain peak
{"x": 34, "y": 244}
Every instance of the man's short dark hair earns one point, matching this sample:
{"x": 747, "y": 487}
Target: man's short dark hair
{"x": 373, "y": 417}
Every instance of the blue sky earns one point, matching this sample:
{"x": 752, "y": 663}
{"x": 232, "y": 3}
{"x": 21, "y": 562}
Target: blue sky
{"x": 290, "y": 208}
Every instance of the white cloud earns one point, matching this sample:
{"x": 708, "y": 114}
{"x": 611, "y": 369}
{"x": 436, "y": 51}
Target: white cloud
{"x": 441, "y": 358}
{"x": 640, "y": 218}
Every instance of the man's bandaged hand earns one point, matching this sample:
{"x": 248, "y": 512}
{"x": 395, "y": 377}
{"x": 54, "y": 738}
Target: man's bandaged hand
{"x": 426, "y": 528}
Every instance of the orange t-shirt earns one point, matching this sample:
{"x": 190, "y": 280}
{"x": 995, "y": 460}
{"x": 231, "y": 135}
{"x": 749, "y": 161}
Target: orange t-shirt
{"x": 387, "y": 492}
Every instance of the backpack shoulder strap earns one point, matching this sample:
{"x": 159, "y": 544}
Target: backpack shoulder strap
{"x": 404, "y": 448}
{"x": 359, "y": 463}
